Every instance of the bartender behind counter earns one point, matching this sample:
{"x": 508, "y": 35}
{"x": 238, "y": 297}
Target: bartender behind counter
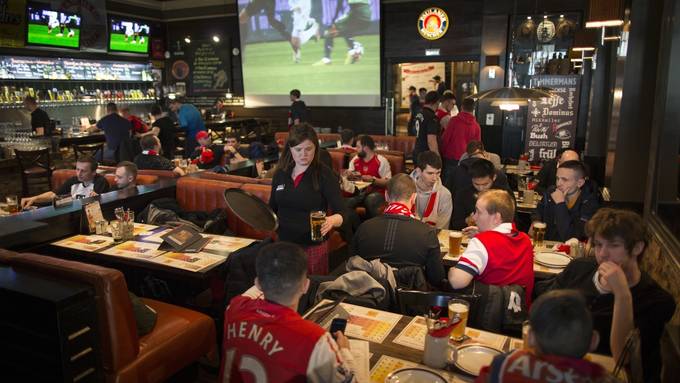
{"x": 40, "y": 121}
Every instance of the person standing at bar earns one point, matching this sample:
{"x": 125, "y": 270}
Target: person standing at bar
{"x": 427, "y": 126}
{"x": 116, "y": 131}
{"x": 164, "y": 129}
{"x": 298, "y": 109}
{"x": 302, "y": 184}
{"x": 40, "y": 121}
{"x": 191, "y": 121}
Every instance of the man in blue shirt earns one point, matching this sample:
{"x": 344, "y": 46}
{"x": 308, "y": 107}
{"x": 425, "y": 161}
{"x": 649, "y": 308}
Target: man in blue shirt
{"x": 116, "y": 130}
{"x": 189, "y": 119}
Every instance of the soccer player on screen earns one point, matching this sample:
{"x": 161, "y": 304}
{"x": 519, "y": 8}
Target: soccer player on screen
{"x": 255, "y": 7}
{"x": 68, "y": 22}
{"x": 129, "y": 29}
{"x": 52, "y": 20}
{"x": 349, "y": 25}
{"x": 304, "y": 27}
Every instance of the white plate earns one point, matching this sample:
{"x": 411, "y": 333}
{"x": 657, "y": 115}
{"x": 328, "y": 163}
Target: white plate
{"x": 552, "y": 259}
{"x": 414, "y": 375}
{"x": 470, "y": 358}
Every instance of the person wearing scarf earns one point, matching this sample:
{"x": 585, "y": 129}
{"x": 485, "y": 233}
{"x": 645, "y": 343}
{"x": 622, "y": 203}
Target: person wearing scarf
{"x": 433, "y": 201}
{"x": 397, "y": 237}
{"x": 150, "y": 159}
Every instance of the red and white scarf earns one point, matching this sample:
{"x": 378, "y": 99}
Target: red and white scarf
{"x": 150, "y": 152}
{"x": 399, "y": 209}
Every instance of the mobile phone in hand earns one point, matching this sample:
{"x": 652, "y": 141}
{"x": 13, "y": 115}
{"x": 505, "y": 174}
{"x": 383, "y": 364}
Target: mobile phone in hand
{"x": 338, "y": 324}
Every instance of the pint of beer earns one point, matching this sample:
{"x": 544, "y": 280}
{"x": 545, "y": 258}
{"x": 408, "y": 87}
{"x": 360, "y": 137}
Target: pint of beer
{"x": 316, "y": 220}
{"x": 458, "y": 309}
{"x": 455, "y": 239}
{"x": 12, "y": 204}
{"x": 539, "y": 233}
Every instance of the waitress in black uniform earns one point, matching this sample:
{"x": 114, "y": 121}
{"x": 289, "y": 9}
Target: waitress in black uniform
{"x": 302, "y": 184}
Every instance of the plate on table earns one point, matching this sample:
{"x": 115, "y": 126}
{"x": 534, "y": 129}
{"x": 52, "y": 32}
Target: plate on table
{"x": 470, "y": 358}
{"x": 414, "y": 375}
{"x": 361, "y": 184}
{"x": 554, "y": 259}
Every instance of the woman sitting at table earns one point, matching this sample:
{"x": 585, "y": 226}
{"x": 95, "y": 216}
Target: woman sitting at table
{"x": 302, "y": 184}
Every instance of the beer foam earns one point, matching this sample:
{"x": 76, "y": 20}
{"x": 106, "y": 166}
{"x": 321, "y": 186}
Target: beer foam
{"x": 456, "y": 234}
{"x": 458, "y": 307}
{"x": 540, "y": 225}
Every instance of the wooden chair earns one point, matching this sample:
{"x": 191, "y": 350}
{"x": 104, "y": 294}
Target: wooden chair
{"x": 413, "y": 302}
{"x": 34, "y": 164}
{"x": 87, "y": 150}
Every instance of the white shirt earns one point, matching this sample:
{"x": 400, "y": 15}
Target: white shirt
{"x": 476, "y": 256}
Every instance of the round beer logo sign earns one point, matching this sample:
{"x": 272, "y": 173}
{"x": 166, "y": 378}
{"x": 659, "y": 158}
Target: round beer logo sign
{"x": 433, "y": 23}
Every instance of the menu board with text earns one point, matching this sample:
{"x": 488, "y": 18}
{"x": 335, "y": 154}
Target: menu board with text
{"x": 209, "y": 68}
{"x": 37, "y": 68}
{"x": 551, "y": 122}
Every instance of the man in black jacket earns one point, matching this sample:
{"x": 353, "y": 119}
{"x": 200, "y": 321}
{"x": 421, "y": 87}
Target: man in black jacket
{"x": 484, "y": 176}
{"x": 397, "y": 237}
{"x": 566, "y": 207}
{"x": 547, "y": 176}
{"x": 619, "y": 240}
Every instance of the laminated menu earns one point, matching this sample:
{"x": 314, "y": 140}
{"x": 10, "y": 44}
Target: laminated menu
{"x": 189, "y": 261}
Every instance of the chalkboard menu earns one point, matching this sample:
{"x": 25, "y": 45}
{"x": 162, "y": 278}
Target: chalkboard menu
{"x": 37, "y": 68}
{"x": 551, "y": 122}
{"x": 209, "y": 68}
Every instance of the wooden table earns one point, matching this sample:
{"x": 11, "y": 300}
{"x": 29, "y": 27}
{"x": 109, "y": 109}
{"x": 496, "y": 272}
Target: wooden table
{"x": 450, "y": 260}
{"x": 388, "y": 347}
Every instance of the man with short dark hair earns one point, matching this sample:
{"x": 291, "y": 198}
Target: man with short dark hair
{"x": 497, "y": 253}
{"x": 150, "y": 159}
{"x": 268, "y": 339}
{"x": 190, "y": 120}
{"x": 461, "y": 129}
{"x": 566, "y": 207}
{"x": 483, "y": 176}
{"x": 40, "y": 121}
{"x": 427, "y": 126}
{"x": 618, "y": 239}
{"x": 298, "y": 110}
{"x": 164, "y": 128}
{"x": 439, "y": 85}
{"x": 368, "y": 166}
{"x": 397, "y": 237}
{"x": 116, "y": 130}
{"x": 547, "y": 176}
{"x": 560, "y": 334}
{"x": 433, "y": 201}
{"x": 446, "y": 103}
{"x": 209, "y": 155}
{"x": 347, "y": 141}
{"x": 85, "y": 183}
{"x": 125, "y": 176}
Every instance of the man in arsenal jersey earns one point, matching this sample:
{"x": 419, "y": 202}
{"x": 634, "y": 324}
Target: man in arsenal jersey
{"x": 433, "y": 201}
{"x": 497, "y": 254}
{"x": 369, "y": 166}
{"x": 560, "y": 335}
{"x": 266, "y": 340}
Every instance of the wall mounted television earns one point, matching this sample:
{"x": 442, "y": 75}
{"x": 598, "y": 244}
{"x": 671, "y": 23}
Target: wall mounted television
{"x": 48, "y": 27}
{"x": 126, "y": 35}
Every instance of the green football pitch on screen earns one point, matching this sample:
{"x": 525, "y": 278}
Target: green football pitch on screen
{"x": 37, "y": 34}
{"x": 118, "y": 43}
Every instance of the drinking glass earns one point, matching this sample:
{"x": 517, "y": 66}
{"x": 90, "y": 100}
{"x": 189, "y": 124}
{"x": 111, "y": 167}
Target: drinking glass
{"x": 455, "y": 239}
{"x": 458, "y": 310}
{"x": 539, "y": 233}
{"x": 316, "y": 220}
{"x": 116, "y": 230}
{"x": 12, "y": 203}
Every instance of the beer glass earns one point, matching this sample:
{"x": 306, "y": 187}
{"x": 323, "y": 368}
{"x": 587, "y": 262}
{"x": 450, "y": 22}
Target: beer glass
{"x": 458, "y": 309}
{"x": 539, "y": 233}
{"x": 525, "y": 335}
{"x": 12, "y": 204}
{"x": 116, "y": 230}
{"x": 316, "y": 220}
{"x": 455, "y": 239}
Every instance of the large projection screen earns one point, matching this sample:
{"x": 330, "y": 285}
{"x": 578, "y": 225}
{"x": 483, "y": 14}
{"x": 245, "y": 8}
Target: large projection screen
{"x": 328, "y": 49}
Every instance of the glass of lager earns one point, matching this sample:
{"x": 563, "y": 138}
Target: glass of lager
{"x": 525, "y": 335}
{"x": 316, "y": 220}
{"x": 12, "y": 204}
{"x": 539, "y": 233}
{"x": 458, "y": 311}
{"x": 455, "y": 239}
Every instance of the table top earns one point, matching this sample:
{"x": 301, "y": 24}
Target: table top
{"x": 404, "y": 341}
{"x": 143, "y": 250}
{"x": 514, "y": 169}
{"x": 451, "y": 259}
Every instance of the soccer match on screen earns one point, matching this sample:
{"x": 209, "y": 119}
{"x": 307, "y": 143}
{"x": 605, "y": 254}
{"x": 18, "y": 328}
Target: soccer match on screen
{"x": 47, "y": 27}
{"x": 129, "y": 36}
{"x": 323, "y": 47}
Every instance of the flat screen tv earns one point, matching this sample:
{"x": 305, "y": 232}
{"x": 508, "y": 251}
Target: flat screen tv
{"x": 127, "y": 35}
{"x": 47, "y": 27}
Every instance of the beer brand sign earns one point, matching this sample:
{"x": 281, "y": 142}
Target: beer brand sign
{"x": 551, "y": 122}
{"x": 433, "y": 23}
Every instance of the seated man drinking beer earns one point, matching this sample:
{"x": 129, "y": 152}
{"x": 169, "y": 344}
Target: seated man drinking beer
{"x": 397, "y": 237}
{"x": 498, "y": 254}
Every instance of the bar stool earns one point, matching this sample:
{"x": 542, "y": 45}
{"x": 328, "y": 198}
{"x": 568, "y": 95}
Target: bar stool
{"x": 87, "y": 150}
{"x": 34, "y": 164}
